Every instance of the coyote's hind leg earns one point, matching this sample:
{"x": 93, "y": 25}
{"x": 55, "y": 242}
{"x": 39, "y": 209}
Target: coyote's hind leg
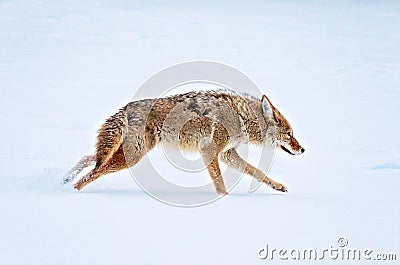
{"x": 85, "y": 161}
{"x": 232, "y": 159}
{"x": 115, "y": 163}
{"x": 126, "y": 156}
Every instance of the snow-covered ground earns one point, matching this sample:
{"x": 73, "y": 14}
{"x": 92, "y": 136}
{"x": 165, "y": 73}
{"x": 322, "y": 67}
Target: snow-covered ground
{"x": 331, "y": 67}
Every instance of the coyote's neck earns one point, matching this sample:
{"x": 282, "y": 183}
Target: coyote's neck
{"x": 255, "y": 123}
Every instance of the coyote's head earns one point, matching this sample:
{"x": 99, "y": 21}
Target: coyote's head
{"x": 279, "y": 130}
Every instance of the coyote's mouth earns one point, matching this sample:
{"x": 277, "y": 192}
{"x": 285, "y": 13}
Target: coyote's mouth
{"x": 286, "y": 150}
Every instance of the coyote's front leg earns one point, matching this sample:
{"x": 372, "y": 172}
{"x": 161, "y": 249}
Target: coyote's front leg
{"x": 215, "y": 173}
{"x": 232, "y": 159}
{"x": 210, "y": 157}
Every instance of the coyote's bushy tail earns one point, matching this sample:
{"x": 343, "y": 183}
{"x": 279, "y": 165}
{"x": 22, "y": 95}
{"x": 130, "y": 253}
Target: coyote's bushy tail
{"x": 111, "y": 136}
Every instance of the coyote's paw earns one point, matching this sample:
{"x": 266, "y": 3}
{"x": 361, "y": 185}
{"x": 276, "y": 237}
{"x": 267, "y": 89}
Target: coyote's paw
{"x": 277, "y": 186}
{"x": 222, "y": 191}
{"x": 78, "y": 186}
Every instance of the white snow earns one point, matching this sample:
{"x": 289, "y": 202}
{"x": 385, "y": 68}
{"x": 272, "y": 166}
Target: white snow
{"x": 331, "y": 67}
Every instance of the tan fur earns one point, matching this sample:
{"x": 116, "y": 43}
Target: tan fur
{"x": 213, "y": 123}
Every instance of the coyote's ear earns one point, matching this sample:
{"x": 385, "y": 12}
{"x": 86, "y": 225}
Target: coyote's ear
{"x": 267, "y": 107}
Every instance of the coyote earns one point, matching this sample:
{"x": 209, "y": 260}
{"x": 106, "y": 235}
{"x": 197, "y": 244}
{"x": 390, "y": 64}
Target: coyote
{"x": 213, "y": 123}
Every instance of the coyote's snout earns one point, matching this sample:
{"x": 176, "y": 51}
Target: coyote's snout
{"x": 213, "y": 123}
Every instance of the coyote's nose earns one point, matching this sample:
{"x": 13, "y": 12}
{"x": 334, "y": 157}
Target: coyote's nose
{"x": 302, "y": 150}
